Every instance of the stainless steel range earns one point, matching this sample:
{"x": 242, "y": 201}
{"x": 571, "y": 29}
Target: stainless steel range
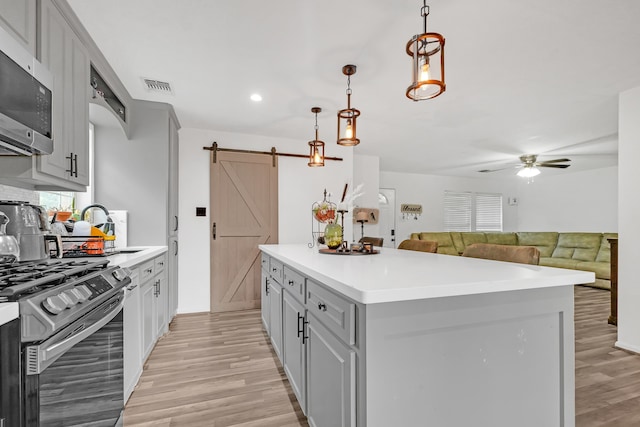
{"x": 69, "y": 345}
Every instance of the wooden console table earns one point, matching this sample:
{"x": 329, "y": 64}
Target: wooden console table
{"x": 613, "y": 317}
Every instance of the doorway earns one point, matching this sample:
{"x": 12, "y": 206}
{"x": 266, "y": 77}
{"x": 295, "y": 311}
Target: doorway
{"x": 244, "y": 214}
{"x": 387, "y": 220}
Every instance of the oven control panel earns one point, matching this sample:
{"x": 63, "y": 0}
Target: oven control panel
{"x": 88, "y": 290}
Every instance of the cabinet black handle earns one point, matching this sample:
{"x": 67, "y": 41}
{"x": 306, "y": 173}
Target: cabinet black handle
{"x": 300, "y": 329}
{"x": 322, "y": 306}
{"x": 274, "y": 269}
{"x": 213, "y": 231}
{"x": 70, "y": 158}
{"x": 75, "y": 165}
{"x": 175, "y": 252}
{"x": 176, "y": 227}
{"x": 291, "y": 282}
{"x": 266, "y": 286}
{"x": 305, "y": 337}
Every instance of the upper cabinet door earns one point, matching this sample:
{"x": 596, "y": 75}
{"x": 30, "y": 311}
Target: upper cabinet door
{"x": 18, "y": 17}
{"x": 67, "y": 59}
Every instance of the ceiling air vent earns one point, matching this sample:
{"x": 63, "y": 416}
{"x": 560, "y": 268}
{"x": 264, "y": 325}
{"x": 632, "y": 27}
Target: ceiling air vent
{"x": 157, "y": 86}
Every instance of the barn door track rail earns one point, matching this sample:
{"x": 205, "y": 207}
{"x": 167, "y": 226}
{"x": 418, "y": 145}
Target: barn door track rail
{"x": 273, "y": 153}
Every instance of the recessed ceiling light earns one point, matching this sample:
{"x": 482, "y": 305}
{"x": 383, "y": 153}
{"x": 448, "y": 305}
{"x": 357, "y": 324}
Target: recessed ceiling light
{"x": 256, "y": 97}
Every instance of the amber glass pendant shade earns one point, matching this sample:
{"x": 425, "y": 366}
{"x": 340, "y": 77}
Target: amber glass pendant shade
{"x": 347, "y": 118}
{"x": 316, "y": 147}
{"x": 427, "y": 71}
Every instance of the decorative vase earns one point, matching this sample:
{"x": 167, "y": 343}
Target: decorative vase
{"x": 333, "y": 235}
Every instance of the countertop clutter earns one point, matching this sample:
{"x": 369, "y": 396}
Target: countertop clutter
{"x": 397, "y": 275}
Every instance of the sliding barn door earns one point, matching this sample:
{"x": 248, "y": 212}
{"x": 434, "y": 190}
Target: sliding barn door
{"x": 244, "y": 214}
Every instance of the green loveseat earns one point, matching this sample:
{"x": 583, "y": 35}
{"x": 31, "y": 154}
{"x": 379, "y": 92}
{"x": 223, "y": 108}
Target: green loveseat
{"x": 577, "y": 251}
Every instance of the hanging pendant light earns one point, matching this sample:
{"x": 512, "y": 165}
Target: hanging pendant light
{"x": 427, "y": 52}
{"x": 347, "y": 117}
{"x": 316, "y": 147}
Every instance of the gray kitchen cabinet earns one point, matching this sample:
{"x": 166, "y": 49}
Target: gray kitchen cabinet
{"x": 162, "y": 295}
{"x": 132, "y": 335}
{"x": 144, "y": 181}
{"x": 149, "y": 315}
{"x": 66, "y": 57}
{"x": 172, "y": 275}
{"x": 19, "y": 19}
{"x": 315, "y": 333}
{"x": 264, "y": 300}
{"x": 331, "y": 385}
{"x": 174, "y": 221}
{"x": 294, "y": 346}
{"x": 275, "y": 316}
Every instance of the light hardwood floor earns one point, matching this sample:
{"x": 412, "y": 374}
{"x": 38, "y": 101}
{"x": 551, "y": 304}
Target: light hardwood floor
{"x": 218, "y": 370}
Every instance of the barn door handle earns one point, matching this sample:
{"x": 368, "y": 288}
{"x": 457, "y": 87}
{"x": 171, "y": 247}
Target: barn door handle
{"x": 213, "y": 231}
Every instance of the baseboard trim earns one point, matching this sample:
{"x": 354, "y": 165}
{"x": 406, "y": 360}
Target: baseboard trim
{"x": 627, "y": 347}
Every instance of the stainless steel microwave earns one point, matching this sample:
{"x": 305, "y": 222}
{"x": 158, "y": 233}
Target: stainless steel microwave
{"x": 25, "y": 101}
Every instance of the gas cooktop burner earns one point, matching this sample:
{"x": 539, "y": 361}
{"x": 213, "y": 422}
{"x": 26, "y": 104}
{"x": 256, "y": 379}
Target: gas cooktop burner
{"x": 24, "y": 278}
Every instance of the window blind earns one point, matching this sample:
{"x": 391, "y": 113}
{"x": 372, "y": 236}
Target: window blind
{"x": 488, "y": 212}
{"x": 457, "y": 211}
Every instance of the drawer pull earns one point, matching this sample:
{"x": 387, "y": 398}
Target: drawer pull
{"x": 266, "y": 286}
{"x": 291, "y": 282}
{"x": 322, "y": 306}
{"x": 274, "y": 269}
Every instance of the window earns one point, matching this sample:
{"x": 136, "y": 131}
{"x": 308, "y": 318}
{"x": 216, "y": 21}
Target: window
{"x": 467, "y": 211}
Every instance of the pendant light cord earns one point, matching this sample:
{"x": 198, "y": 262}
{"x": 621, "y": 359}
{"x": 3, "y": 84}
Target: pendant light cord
{"x": 425, "y": 12}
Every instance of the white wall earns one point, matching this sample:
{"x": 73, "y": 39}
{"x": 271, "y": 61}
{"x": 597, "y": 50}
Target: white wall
{"x": 19, "y": 194}
{"x": 580, "y": 201}
{"x": 366, "y": 171}
{"x": 428, "y": 191}
{"x": 628, "y": 223}
{"x": 298, "y": 187}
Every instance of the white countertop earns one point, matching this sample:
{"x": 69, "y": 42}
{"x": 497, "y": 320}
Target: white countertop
{"x": 8, "y": 312}
{"x": 130, "y": 259}
{"x": 401, "y": 275}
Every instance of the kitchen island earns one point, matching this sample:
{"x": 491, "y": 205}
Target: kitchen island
{"x": 409, "y": 338}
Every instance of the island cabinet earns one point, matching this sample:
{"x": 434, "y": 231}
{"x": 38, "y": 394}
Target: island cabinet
{"x": 315, "y": 338}
{"x": 273, "y": 292}
{"x": 410, "y": 338}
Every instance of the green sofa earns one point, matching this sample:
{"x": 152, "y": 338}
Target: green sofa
{"x": 577, "y": 251}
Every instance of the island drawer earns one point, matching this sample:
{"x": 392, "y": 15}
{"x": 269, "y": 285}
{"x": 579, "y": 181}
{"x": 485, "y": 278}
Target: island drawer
{"x": 336, "y": 313}
{"x": 265, "y": 262}
{"x": 294, "y": 282}
{"x": 275, "y": 269}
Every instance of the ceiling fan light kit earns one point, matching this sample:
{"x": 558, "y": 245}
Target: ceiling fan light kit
{"x": 347, "y": 118}
{"x": 427, "y": 71}
{"x": 528, "y": 172}
{"x": 316, "y": 147}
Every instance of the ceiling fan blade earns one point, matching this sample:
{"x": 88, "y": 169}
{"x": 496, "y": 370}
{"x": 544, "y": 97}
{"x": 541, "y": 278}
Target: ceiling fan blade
{"x": 553, "y": 166}
{"x": 499, "y": 169}
{"x": 556, "y": 161}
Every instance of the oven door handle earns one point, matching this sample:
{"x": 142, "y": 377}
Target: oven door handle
{"x": 40, "y": 357}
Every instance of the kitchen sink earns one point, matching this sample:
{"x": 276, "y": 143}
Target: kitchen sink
{"x": 129, "y": 251}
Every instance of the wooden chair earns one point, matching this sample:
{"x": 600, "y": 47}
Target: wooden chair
{"x": 419, "y": 245}
{"x": 509, "y": 253}
{"x": 375, "y": 241}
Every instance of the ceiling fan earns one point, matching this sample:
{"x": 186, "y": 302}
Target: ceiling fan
{"x": 529, "y": 166}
